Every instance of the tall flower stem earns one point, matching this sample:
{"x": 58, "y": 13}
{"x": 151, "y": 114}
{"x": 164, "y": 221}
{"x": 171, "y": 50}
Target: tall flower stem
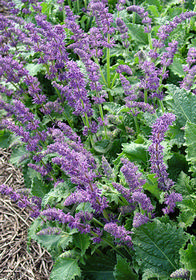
{"x": 145, "y": 96}
{"x": 78, "y": 5}
{"x": 150, "y": 41}
{"x": 108, "y": 68}
{"x": 102, "y": 117}
{"x": 134, "y": 13}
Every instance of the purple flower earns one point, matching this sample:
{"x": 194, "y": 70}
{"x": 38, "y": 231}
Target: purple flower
{"x": 144, "y": 15}
{"x": 156, "y": 150}
{"x": 120, "y": 233}
{"x": 166, "y": 29}
{"x": 143, "y": 200}
{"x": 49, "y": 231}
{"x": 139, "y": 219}
{"x": 170, "y": 200}
{"x": 124, "y": 68}
{"x": 132, "y": 176}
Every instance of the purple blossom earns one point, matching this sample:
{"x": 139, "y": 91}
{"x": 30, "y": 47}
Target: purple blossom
{"x": 144, "y": 15}
{"x": 170, "y": 200}
{"x": 143, "y": 200}
{"x": 120, "y": 233}
{"x": 107, "y": 168}
{"x": 166, "y": 29}
{"x": 23, "y": 201}
{"x": 49, "y": 231}
{"x": 156, "y": 150}
{"x": 124, "y": 68}
{"x": 180, "y": 273}
{"x": 139, "y": 219}
{"x": 132, "y": 176}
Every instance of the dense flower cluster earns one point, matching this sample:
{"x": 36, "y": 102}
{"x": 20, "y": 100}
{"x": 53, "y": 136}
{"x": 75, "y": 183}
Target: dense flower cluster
{"x": 74, "y": 114}
{"x": 156, "y": 150}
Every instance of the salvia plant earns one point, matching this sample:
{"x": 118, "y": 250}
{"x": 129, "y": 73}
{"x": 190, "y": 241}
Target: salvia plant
{"x": 98, "y": 105}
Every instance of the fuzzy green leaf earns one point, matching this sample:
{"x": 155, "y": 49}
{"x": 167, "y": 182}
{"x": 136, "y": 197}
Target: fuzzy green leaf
{"x": 123, "y": 270}
{"x": 38, "y": 188}
{"x": 190, "y": 136}
{"x": 157, "y": 248}
{"x": 138, "y": 34}
{"x": 5, "y": 139}
{"x": 183, "y": 104}
{"x": 136, "y": 152}
{"x": 56, "y": 195}
{"x": 99, "y": 268}
{"x": 82, "y": 241}
{"x": 152, "y": 186}
{"x": 177, "y": 67}
{"x": 188, "y": 258}
{"x": 65, "y": 269}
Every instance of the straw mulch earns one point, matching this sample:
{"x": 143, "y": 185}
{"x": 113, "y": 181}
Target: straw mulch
{"x": 17, "y": 262}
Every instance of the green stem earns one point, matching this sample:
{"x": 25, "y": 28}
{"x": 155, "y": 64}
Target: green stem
{"x": 136, "y": 125}
{"x": 145, "y": 96}
{"x": 162, "y": 106}
{"x": 69, "y": 3}
{"x": 85, "y": 4}
{"x": 108, "y": 62}
{"x": 150, "y": 40}
{"x": 78, "y": 5}
{"x": 134, "y": 14}
{"x": 102, "y": 117}
{"x": 114, "y": 79}
{"x": 113, "y": 247}
{"x": 101, "y": 72}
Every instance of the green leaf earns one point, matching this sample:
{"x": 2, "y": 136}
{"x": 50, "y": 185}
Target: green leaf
{"x": 176, "y": 164}
{"x": 65, "y": 269}
{"x": 38, "y": 188}
{"x": 157, "y": 248}
{"x": 138, "y": 34}
{"x": 136, "y": 152}
{"x": 123, "y": 270}
{"x": 53, "y": 241}
{"x": 34, "y": 68}
{"x": 183, "y": 104}
{"x": 56, "y": 195}
{"x": 4, "y": 139}
{"x": 188, "y": 258}
{"x": 99, "y": 268}
{"x": 152, "y": 186}
{"x": 177, "y": 68}
{"x": 154, "y": 10}
{"x": 102, "y": 146}
{"x": 185, "y": 185}
{"x": 17, "y": 155}
{"x": 190, "y": 137}
{"x": 82, "y": 241}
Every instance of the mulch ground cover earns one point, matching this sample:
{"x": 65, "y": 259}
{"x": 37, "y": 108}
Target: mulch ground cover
{"x": 17, "y": 260}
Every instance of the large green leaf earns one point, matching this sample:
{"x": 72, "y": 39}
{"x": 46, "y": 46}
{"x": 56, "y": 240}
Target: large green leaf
{"x": 183, "y": 104}
{"x": 157, "y": 248}
{"x": 138, "y": 34}
{"x": 38, "y": 187}
{"x": 123, "y": 270}
{"x": 99, "y": 268}
{"x": 177, "y": 67}
{"x": 136, "y": 152}
{"x": 188, "y": 258}
{"x": 65, "y": 269}
{"x": 190, "y": 136}
{"x": 82, "y": 241}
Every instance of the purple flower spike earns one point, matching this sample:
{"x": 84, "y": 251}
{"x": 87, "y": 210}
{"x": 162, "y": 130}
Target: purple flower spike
{"x": 139, "y": 219}
{"x": 119, "y": 232}
{"x": 156, "y": 150}
{"x": 170, "y": 201}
